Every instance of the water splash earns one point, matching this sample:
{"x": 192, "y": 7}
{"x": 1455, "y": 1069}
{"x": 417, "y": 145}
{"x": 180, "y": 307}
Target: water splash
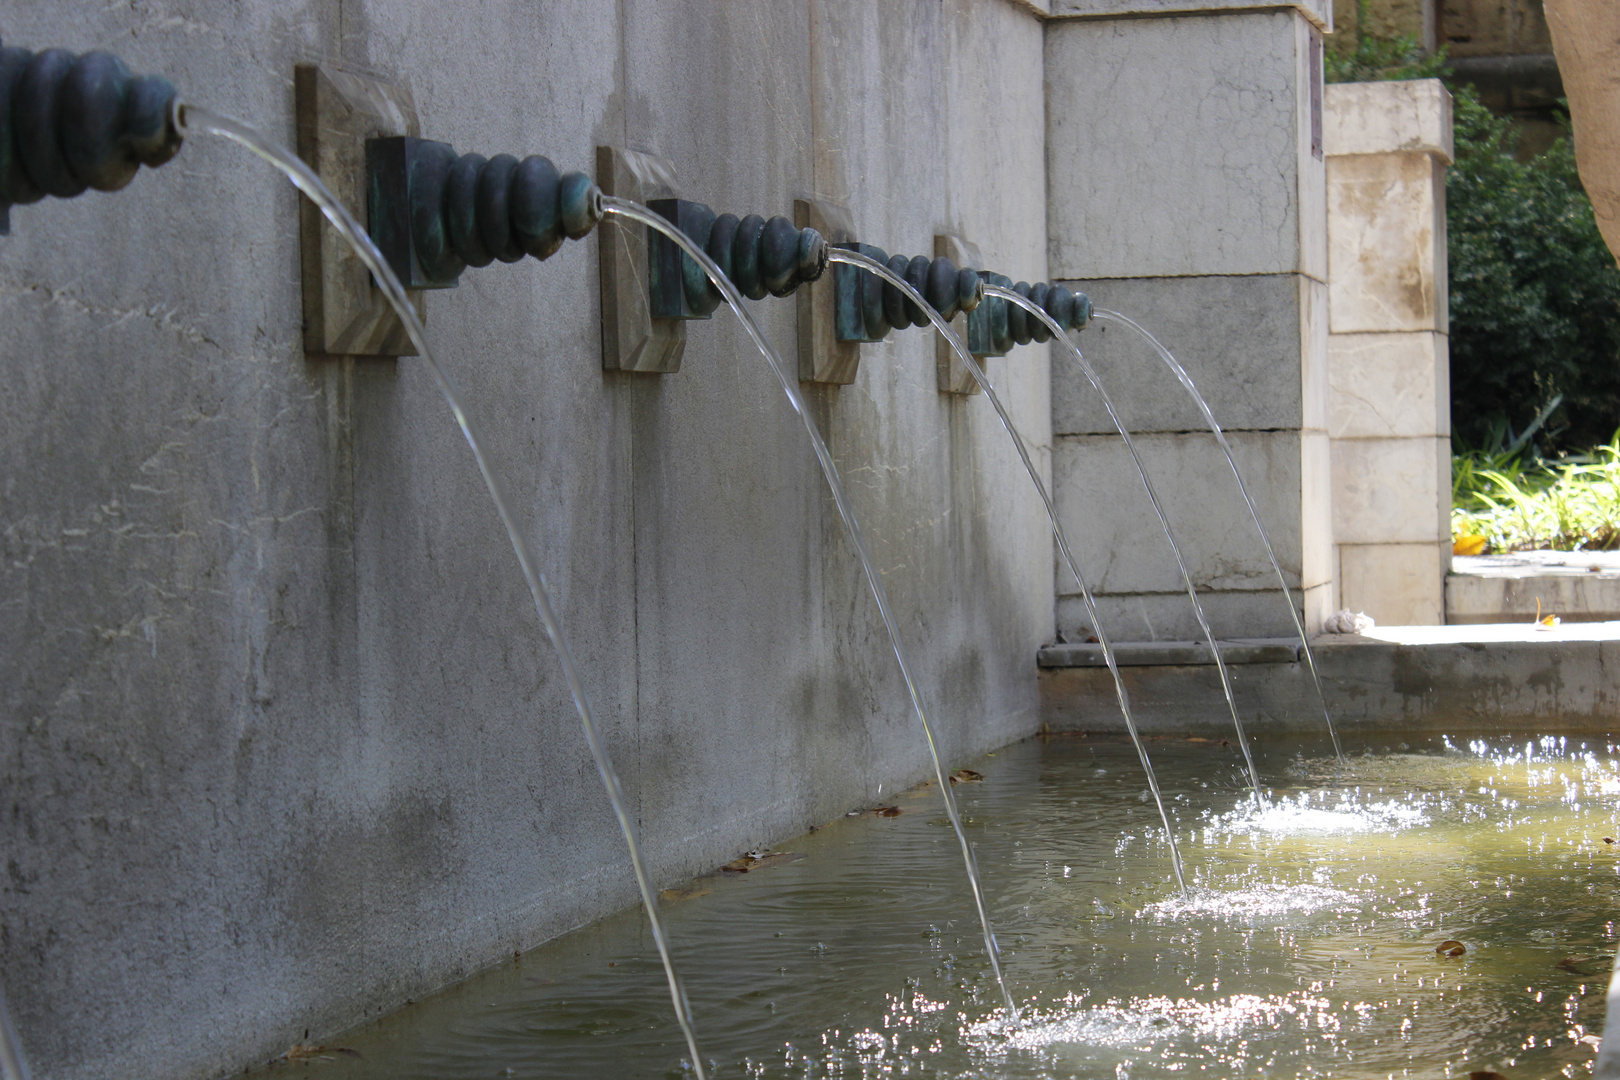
{"x": 790, "y": 386}
{"x": 1144, "y": 1024}
{"x": 1298, "y": 816}
{"x": 1265, "y": 539}
{"x": 1164, "y": 522}
{"x": 190, "y": 120}
{"x": 1252, "y": 905}
{"x": 854, "y": 258}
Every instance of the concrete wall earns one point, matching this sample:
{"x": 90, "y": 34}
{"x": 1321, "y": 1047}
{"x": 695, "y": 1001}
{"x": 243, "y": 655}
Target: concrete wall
{"x": 1388, "y": 145}
{"x": 1185, "y": 191}
{"x": 282, "y": 742}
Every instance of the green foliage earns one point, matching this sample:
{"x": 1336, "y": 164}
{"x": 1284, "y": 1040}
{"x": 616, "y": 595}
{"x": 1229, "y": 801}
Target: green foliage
{"x": 1518, "y": 504}
{"x": 1377, "y": 59}
{"x": 1535, "y": 294}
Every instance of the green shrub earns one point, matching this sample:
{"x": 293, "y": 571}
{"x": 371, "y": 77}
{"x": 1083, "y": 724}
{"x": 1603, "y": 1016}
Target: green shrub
{"x": 1535, "y": 294}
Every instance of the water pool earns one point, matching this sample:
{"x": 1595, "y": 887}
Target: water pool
{"x": 1306, "y": 946}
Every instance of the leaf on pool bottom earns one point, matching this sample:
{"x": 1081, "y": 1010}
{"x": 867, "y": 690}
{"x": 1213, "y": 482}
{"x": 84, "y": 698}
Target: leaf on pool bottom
{"x": 303, "y": 1052}
{"x": 886, "y": 811}
{"x": 761, "y": 860}
{"x": 1485, "y": 1074}
{"x": 1596, "y": 964}
{"x": 966, "y": 776}
{"x": 1450, "y": 948}
{"x": 1608, "y": 839}
{"x": 690, "y": 892}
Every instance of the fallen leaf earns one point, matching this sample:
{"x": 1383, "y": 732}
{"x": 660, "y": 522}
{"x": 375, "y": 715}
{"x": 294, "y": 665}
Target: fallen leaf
{"x": 886, "y": 811}
{"x": 1608, "y": 839}
{"x": 691, "y": 892}
{"x": 1194, "y": 738}
{"x": 966, "y": 776}
{"x": 1472, "y": 544}
{"x": 1486, "y": 1074}
{"x": 1451, "y": 948}
{"x": 760, "y": 860}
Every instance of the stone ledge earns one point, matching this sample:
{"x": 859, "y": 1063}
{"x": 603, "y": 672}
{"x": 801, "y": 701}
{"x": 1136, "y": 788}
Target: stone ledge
{"x": 1577, "y": 586}
{"x": 1431, "y": 678}
{"x": 1174, "y": 653}
{"x": 1319, "y": 12}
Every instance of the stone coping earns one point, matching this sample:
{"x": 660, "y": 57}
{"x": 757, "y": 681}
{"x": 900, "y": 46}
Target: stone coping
{"x": 1287, "y": 650}
{"x": 1319, "y": 12}
{"x": 1577, "y": 586}
{"x": 1521, "y": 564}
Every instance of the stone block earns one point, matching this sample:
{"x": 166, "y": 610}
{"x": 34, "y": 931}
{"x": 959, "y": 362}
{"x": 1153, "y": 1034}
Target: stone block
{"x": 345, "y": 313}
{"x": 1118, "y": 541}
{"x": 632, "y": 340}
{"x": 1169, "y": 616}
{"x": 1389, "y": 385}
{"x": 1315, "y": 507}
{"x": 1390, "y": 490}
{"x": 1181, "y": 146}
{"x": 1411, "y": 116}
{"x": 1386, "y": 246}
{"x": 1254, "y": 347}
{"x": 1397, "y": 584}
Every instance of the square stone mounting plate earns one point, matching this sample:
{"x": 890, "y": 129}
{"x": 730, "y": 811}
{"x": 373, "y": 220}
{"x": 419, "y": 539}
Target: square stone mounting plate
{"x": 632, "y": 340}
{"x": 822, "y": 357}
{"x": 954, "y": 377}
{"x": 345, "y": 313}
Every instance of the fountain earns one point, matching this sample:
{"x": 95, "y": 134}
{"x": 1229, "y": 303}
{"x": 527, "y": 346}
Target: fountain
{"x": 392, "y": 866}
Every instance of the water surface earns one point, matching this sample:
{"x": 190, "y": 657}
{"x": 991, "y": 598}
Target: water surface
{"x": 1305, "y": 946}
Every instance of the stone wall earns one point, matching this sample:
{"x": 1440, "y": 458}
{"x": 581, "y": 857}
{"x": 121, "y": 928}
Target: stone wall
{"x": 282, "y": 744}
{"x": 1388, "y": 146}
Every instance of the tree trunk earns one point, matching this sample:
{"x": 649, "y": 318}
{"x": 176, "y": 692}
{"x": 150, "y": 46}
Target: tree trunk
{"x": 1586, "y": 37}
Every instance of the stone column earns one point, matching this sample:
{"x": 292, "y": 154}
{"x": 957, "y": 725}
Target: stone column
{"x": 1185, "y": 189}
{"x": 1388, "y": 145}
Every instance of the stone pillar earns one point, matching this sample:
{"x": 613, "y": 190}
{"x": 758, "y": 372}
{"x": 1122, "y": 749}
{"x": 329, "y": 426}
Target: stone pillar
{"x": 1186, "y": 189}
{"x": 1388, "y": 145}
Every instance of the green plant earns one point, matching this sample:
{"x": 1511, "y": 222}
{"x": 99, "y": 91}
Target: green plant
{"x": 1377, "y": 59}
{"x": 1519, "y": 503}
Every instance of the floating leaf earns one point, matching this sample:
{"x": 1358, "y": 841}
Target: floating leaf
{"x": 1451, "y": 948}
{"x": 966, "y": 776}
{"x": 760, "y": 859}
{"x": 690, "y": 892}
